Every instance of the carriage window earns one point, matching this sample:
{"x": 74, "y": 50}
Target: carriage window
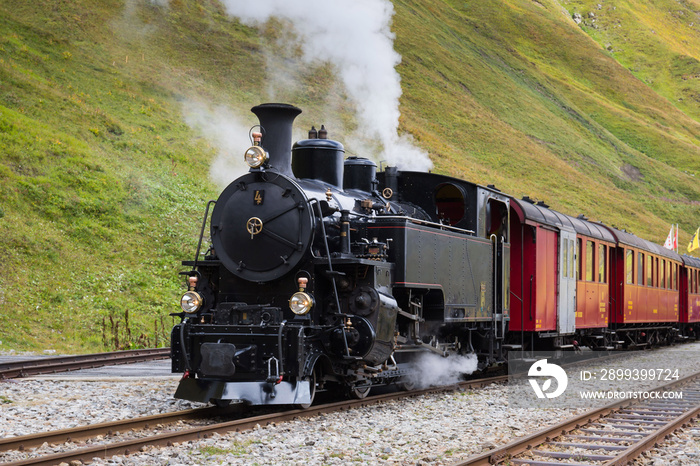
{"x": 581, "y": 259}
{"x": 656, "y": 273}
{"x": 573, "y": 259}
{"x": 690, "y": 280}
{"x": 669, "y": 277}
{"x": 640, "y": 268}
{"x": 650, "y": 271}
{"x": 589, "y": 261}
{"x": 450, "y": 203}
{"x": 601, "y": 263}
{"x": 629, "y": 259}
{"x": 675, "y": 277}
{"x": 565, "y": 259}
{"x": 662, "y": 274}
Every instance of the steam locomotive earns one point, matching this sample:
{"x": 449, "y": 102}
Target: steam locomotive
{"x": 324, "y": 273}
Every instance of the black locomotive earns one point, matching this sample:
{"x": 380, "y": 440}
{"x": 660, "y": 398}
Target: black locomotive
{"x": 323, "y": 272}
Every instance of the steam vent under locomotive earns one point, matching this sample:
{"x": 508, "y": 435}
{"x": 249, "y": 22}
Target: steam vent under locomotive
{"x": 324, "y": 274}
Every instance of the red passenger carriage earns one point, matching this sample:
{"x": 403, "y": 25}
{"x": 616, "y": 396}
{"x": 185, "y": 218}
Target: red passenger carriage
{"x": 559, "y": 277}
{"x": 644, "y": 295}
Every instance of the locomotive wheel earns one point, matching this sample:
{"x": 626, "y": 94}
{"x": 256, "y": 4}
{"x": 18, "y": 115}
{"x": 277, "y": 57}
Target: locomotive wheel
{"x": 359, "y": 392}
{"x": 406, "y": 384}
{"x": 312, "y": 389}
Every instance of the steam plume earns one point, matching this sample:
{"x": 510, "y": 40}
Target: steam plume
{"x": 227, "y": 133}
{"x": 356, "y": 38}
{"x": 434, "y": 370}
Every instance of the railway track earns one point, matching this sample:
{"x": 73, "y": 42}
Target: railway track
{"x": 609, "y": 436}
{"x": 53, "y": 365}
{"x": 176, "y": 434}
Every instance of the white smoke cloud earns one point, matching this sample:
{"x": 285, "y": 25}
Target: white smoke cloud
{"x": 433, "y": 370}
{"x": 229, "y": 135}
{"x": 356, "y": 38}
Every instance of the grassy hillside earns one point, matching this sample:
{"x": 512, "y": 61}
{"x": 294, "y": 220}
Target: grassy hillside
{"x": 103, "y": 184}
{"x": 522, "y": 97}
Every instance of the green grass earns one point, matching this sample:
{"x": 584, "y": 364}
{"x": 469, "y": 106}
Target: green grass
{"x": 103, "y": 184}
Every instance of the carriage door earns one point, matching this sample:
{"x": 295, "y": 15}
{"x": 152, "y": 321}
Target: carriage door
{"x": 566, "y": 308}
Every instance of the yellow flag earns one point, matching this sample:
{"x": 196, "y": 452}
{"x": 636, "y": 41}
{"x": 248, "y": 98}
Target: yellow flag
{"x": 695, "y": 242}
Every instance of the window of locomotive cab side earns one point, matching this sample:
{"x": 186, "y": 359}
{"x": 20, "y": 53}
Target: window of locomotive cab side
{"x": 450, "y": 203}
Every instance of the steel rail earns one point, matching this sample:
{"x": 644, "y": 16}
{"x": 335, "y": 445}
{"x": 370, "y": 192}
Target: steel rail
{"x": 25, "y": 442}
{"x": 52, "y": 365}
{"x": 167, "y": 439}
{"x": 509, "y": 451}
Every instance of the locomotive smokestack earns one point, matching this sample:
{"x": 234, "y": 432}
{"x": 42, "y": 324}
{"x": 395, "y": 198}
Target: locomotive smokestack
{"x": 276, "y": 121}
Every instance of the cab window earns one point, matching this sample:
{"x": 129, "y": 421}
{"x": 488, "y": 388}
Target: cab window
{"x": 450, "y": 203}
